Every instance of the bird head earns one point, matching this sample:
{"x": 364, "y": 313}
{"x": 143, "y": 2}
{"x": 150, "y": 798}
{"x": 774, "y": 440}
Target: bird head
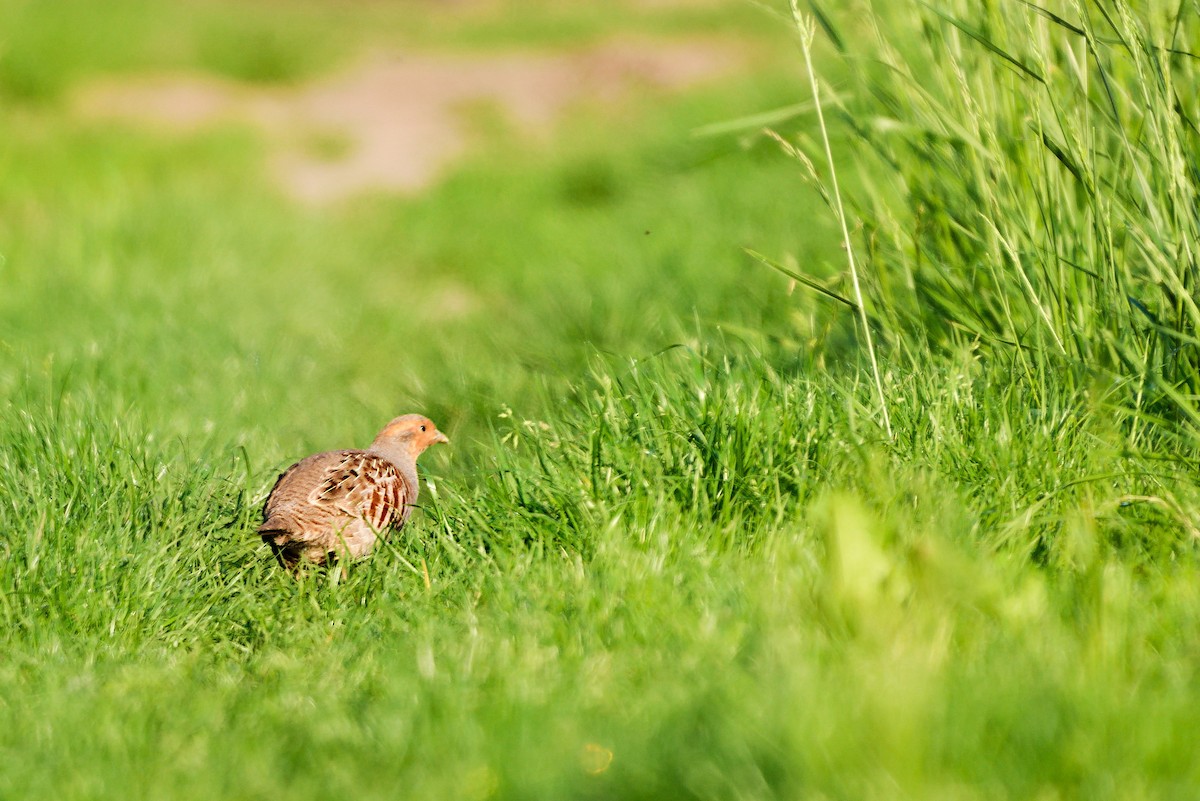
{"x": 409, "y": 434}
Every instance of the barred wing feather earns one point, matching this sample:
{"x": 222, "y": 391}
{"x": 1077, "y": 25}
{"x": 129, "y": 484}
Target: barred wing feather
{"x": 364, "y": 486}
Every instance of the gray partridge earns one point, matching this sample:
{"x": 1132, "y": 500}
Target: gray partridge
{"x": 339, "y": 502}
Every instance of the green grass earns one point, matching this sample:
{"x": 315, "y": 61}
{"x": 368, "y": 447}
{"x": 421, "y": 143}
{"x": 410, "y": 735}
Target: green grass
{"x": 672, "y": 552}
{"x": 1033, "y": 182}
{"x": 46, "y": 49}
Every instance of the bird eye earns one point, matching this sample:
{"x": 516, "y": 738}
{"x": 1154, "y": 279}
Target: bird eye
{"x": 422, "y": 428}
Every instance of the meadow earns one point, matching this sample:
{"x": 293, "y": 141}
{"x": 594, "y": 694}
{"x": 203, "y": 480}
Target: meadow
{"x": 725, "y": 515}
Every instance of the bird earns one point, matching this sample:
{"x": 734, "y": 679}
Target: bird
{"x": 338, "y": 503}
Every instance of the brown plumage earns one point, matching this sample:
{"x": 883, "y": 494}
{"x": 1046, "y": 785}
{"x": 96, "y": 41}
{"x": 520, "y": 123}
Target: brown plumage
{"x": 340, "y": 502}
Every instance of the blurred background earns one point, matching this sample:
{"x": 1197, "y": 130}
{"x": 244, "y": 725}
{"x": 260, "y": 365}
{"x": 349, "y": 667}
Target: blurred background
{"x": 310, "y": 215}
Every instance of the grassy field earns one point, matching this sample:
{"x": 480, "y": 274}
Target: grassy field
{"x": 674, "y": 550}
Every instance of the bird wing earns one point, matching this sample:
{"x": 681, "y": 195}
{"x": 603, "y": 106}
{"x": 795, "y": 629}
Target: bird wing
{"x": 363, "y": 486}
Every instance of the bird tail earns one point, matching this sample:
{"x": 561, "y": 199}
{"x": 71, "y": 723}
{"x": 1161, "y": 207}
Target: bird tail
{"x": 282, "y": 545}
{"x": 275, "y": 526}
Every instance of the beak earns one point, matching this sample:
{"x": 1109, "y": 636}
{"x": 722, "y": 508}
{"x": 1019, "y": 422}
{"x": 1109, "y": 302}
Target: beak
{"x": 441, "y": 438}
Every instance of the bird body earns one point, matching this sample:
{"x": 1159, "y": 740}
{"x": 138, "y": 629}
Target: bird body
{"x": 340, "y": 502}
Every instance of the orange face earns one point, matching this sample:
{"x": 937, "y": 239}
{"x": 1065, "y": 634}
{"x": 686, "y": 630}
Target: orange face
{"x": 414, "y": 432}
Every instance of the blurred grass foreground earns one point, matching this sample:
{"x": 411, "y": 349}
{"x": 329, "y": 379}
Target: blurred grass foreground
{"x": 699, "y": 535}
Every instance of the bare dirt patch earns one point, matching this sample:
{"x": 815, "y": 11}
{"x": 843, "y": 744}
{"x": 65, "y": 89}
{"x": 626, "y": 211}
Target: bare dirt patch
{"x": 394, "y": 123}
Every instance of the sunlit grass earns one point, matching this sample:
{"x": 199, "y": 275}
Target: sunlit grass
{"x": 1031, "y": 187}
{"x": 45, "y": 49}
{"x": 672, "y": 551}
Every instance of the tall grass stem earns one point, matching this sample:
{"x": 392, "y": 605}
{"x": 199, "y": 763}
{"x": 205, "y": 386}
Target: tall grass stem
{"x": 807, "y": 31}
